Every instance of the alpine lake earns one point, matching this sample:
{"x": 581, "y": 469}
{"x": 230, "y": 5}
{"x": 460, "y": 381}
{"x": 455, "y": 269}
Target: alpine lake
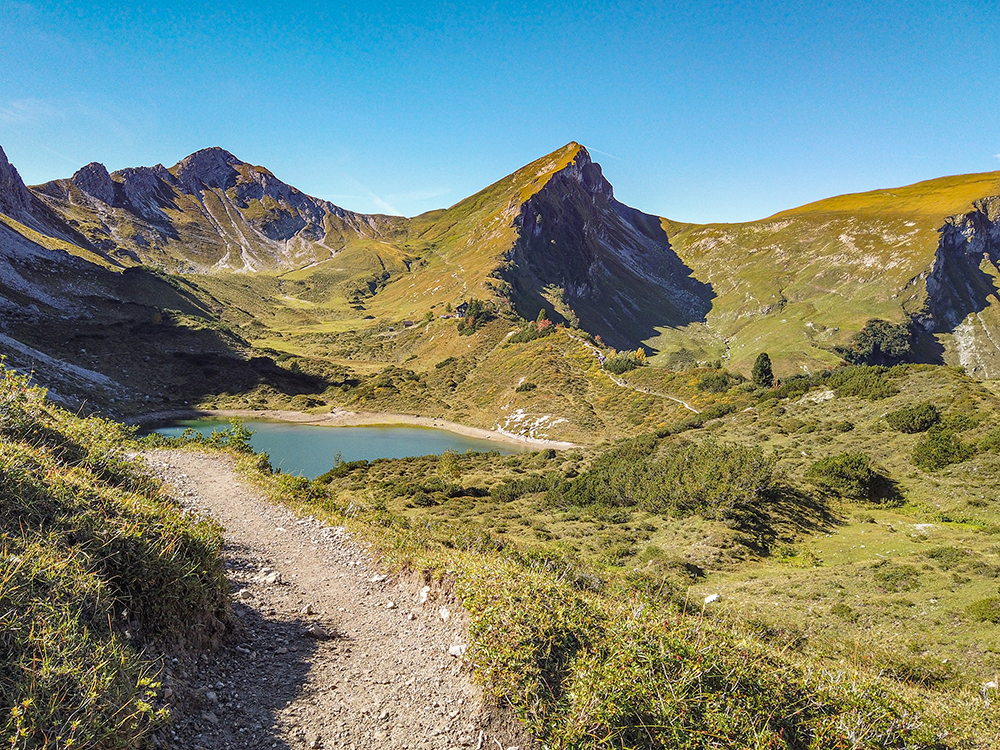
{"x": 311, "y": 450}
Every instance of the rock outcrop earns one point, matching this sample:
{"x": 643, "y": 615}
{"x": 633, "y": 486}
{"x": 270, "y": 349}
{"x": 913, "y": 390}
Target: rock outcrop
{"x": 963, "y": 287}
{"x": 15, "y": 200}
{"x": 589, "y": 259}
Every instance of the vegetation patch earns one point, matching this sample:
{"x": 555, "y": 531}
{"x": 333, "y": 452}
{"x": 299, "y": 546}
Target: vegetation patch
{"x": 879, "y": 343}
{"x": 851, "y": 475}
{"x": 985, "y": 610}
{"x": 621, "y": 362}
{"x": 911, "y": 419}
{"x": 940, "y": 447}
{"x": 96, "y": 566}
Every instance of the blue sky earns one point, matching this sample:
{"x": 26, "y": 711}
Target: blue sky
{"x": 708, "y": 111}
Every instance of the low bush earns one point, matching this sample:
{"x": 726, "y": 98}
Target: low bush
{"x": 912, "y": 419}
{"x": 864, "y": 382}
{"x": 719, "y": 481}
{"x": 941, "y": 447}
{"x": 525, "y": 388}
{"x": 985, "y": 610}
{"x": 718, "y": 382}
{"x": 848, "y": 475}
{"x": 991, "y": 441}
{"x": 879, "y": 343}
{"x": 624, "y": 361}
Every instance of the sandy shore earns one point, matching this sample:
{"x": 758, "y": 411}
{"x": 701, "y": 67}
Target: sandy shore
{"x": 343, "y": 418}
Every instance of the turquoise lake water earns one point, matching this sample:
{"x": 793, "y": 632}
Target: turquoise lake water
{"x": 311, "y": 450}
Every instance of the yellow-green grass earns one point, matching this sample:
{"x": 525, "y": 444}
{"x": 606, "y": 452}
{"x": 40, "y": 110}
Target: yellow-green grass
{"x": 98, "y": 571}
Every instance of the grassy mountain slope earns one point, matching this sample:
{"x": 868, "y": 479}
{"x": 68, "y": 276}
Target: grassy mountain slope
{"x": 801, "y": 281}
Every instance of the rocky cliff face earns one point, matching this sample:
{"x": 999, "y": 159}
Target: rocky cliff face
{"x": 15, "y": 200}
{"x": 209, "y": 212}
{"x": 963, "y": 287}
{"x": 589, "y": 259}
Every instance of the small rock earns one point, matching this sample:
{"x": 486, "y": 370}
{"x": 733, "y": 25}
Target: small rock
{"x": 316, "y": 743}
{"x": 210, "y": 717}
{"x": 379, "y": 578}
{"x": 308, "y": 610}
{"x": 457, "y": 650}
{"x": 390, "y": 605}
{"x": 315, "y": 631}
{"x": 244, "y": 594}
{"x": 445, "y": 614}
{"x": 281, "y": 650}
{"x": 167, "y": 693}
{"x": 411, "y": 616}
{"x": 211, "y": 697}
{"x": 272, "y": 578}
{"x": 712, "y": 598}
{"x": 422, "y": 596}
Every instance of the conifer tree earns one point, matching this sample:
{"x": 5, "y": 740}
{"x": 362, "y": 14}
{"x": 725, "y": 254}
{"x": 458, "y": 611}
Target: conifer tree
{"x": 762, "y": 375}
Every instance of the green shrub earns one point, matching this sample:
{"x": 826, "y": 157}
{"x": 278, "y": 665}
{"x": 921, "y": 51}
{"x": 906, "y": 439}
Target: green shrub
{"x": 940, "y": 447}
{"x": 445, "y": 362}
{"x": 623, "y": 362}
{"x": 991, "y": 441}
{"x": 717, "y": 382}
{"x": 911, "y": 419}
{"x": 879, "y": 343}
{"x": 847, "y": 475}
{"x": 678, "y": 478}
{"x": 895, "y": 578}
{"x": 512, "y": 489}
{"x": 863, "y": 382}
{"x": 985, "y": 610}
{"x": 525, "y": 388}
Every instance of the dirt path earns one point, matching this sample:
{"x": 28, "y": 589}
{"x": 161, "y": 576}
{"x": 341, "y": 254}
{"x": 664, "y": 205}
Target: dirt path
{"x": 335, "y": 654}
{"x": 621, "y": 383}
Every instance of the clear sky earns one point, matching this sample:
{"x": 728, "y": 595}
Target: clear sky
{"x": 700, "y": 111}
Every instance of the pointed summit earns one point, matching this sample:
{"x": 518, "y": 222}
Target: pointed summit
{"x": 95, "y": 181}
{"x": 211, "y": 167}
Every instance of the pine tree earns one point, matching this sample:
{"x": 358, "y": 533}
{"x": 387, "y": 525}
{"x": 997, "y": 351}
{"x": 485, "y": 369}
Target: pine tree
{"x": 763, "y": 375}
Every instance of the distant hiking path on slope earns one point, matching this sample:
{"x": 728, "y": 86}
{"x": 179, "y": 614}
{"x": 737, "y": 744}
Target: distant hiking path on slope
{"x": 335, "y": 654}
{"x": 618, "y": 381}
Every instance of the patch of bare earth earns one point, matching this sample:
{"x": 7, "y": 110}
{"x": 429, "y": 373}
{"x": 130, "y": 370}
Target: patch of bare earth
{"x": 333, "y": 653}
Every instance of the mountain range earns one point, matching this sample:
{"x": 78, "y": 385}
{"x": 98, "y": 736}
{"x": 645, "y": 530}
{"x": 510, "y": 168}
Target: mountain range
{"x": 215, "y": 257}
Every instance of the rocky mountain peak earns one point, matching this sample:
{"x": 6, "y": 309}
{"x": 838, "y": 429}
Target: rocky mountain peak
{"x": 95, "y": 181}
{"x": 15, "y": 200}
{"x": 589, "y": 174}
{"x": 211, "y": 167}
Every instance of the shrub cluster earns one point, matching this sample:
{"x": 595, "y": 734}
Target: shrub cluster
{"x": 867, "y": 382}
{"x": 940, "y": 447}
{"x": 477, "y": 314}
{"x": 852, "y": 476}
{"x": 879, "y": 343}
{"x": 674, "y": 477}
{"x": 622, "y": 362}
{"x": 911, "y": 419}
{"x": 718, "y": 382}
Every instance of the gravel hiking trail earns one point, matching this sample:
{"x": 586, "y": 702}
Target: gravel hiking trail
{"x": 333, "y": 654}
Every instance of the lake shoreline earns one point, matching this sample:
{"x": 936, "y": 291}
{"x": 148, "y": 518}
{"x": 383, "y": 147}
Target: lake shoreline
{"x": 343, "y": 418}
